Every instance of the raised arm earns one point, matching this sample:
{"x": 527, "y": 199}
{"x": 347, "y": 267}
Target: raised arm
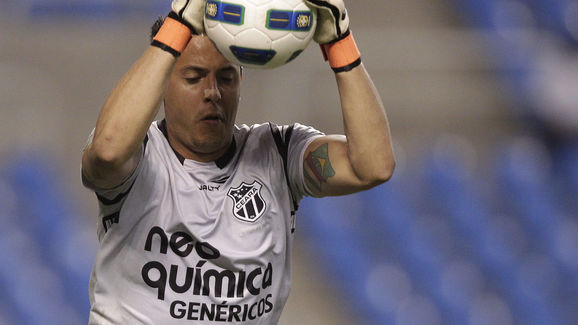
{"x": 125, "y": 118}
{"x": 114, "y": 151}
{"x": 363, "y": 157}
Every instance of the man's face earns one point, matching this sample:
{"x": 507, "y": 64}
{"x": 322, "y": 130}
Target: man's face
{"x": 201, "y": 101}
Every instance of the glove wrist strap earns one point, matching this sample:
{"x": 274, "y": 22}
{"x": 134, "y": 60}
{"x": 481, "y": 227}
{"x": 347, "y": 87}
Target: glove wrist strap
{"x": 343, "y": 54}
{"x": 173, "y": 37}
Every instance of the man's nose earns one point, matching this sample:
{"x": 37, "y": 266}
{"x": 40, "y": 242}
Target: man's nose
{"x": 212, "y": 92}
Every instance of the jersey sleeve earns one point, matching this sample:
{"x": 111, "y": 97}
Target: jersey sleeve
{"x": 301, "y": 137}
{"x": 110, "y": 201}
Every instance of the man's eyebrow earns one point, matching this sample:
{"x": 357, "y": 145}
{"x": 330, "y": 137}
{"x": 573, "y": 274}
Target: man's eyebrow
{"x": 201, "y": 70}
{"x": 228, "y": 68}
{"x": 196, "y": 69}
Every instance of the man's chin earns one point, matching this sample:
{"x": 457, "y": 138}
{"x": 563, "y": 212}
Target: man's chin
{"x": 211, "y": 144}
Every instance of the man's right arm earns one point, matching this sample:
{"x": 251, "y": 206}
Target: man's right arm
{"x": 125, "y": 118}
{"x": 113, "y": 153}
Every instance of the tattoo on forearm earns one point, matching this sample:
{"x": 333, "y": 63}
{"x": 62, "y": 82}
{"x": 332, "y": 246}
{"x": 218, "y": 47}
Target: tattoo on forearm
{"x": 319, "y": 166}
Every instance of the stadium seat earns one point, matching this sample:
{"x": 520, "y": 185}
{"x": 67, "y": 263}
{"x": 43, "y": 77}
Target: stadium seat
{"x": 54, "y": 237}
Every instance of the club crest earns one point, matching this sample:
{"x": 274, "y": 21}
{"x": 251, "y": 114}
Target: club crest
{"x": 248, "y": 204}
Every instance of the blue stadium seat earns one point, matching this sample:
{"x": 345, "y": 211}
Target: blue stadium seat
{"x": 332, "y": 224}
{"x": 53, "y": 223}
{"x": 566, "y": 168}
{"x": 29, "y": 284}
{"x": 422, "y": 242}
{"x": 493, "y": 239}
{"x": 552, "y": 15}
{"x": 524, "y": 171}
{"x": 387, "y": 286}
{"x": 460, "y": 246}
{"x": 461, "y": 282}
{"x": 526, "y": 181}
{"x": 55, "y": 239}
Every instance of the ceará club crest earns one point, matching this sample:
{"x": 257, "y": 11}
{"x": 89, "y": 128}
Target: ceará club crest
{"x": 248, "y": 204}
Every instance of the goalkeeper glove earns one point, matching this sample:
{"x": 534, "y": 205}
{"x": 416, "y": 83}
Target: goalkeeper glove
{"x": 186, "y": 18}
{"x": 334, "y": 36}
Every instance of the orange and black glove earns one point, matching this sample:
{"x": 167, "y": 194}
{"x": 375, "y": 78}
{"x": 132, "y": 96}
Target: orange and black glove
{"x": 185, "y": 19}
{"x": 334, "y": 36}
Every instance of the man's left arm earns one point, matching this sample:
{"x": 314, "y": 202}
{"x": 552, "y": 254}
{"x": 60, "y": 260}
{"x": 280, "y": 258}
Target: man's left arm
{"x": 363, "y": 158}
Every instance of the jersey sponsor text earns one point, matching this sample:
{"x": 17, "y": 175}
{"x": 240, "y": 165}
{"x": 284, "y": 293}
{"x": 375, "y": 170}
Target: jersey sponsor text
{"x": 201, "y": 280}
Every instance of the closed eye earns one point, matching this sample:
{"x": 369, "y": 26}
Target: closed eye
{"x": 193, "y": 80}
{"x": 226, "y": 79}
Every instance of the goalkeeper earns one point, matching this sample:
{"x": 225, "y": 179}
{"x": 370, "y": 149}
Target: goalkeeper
{"x": 196, "y": 213}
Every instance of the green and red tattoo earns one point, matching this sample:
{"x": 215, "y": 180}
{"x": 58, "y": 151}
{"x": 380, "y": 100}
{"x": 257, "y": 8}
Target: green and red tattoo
{"x": 319, "y": 166}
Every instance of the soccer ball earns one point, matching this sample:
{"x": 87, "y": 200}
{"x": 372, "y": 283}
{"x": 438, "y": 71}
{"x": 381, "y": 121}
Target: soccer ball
{"x": 260, "y": 33}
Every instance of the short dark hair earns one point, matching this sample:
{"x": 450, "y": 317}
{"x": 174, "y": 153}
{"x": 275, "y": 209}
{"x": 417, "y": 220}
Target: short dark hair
{"x": 156, "y": 26}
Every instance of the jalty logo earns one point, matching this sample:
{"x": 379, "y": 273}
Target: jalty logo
{"x": 248, "y": 204}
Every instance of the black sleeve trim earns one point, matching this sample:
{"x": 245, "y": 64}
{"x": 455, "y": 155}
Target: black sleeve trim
{"x": 283, "y": 148}
{"x": 119, "y": 197}
{"x": 115, "y": 200}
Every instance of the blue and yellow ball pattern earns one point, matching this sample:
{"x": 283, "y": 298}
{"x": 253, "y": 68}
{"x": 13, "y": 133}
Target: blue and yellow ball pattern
{"x": 260, "y": 33}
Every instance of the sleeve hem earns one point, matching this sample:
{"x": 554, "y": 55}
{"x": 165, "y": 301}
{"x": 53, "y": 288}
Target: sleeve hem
{"x": 306, "y": 191}
{"x": 118, "y": 188}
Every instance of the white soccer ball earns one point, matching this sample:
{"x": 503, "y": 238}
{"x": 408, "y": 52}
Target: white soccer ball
{"x": 260, "y": 33}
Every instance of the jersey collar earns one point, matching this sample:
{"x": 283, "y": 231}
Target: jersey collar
{"x": 221, "y": 162}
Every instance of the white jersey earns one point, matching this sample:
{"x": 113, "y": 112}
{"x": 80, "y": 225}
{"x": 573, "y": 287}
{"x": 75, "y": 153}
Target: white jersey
{"x": 185, "y": 242}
